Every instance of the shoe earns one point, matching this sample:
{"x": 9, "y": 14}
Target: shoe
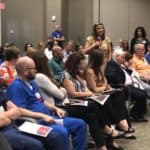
{"x": 126, "y": 136}
{"x": 130, "y": 129}
{"x": 131, "y": 137}
{"x": 138, "y": 119}
{"x": 118, "y": 136}
{"x": 91, "y": 145}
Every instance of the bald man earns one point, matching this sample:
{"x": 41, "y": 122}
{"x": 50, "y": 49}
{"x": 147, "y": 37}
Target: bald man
{"x": 24, "y": 92}
{"x": 58, "y": 35}
{"x": 18, "y": 140}
{"x": 56, "y": 64}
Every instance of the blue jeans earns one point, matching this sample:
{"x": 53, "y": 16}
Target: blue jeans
{"x": 74, "y": 127}
{"x": 20, "y": 141}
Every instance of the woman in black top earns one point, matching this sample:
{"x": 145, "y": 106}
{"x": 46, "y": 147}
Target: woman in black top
{"x": 139, "y": 37}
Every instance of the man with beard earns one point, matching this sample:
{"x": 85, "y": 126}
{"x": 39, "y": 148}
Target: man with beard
{"x": 24, "y": 92}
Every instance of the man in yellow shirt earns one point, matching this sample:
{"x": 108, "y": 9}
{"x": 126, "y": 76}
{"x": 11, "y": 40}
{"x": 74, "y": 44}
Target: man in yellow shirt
{"x": 139, "y": 63}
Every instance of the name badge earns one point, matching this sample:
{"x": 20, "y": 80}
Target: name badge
{"x": 38, "y": 96}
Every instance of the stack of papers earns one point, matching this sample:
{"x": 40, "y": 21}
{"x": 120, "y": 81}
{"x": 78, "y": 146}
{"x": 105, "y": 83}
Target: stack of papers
{"x": 36, "y": 129}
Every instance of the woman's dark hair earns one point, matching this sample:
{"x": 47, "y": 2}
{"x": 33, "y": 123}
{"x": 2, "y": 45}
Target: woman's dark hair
{"x": 125, "y": 45}
{"x": 26, "y": 46}
{"x": 41, "y": 62}
{"x": 72, "y": 63}
{"x": 96, "y": 60}
{"x": 2, "y": 49}
{"x": 128, "y": 56}
{"x": 142, "y": 30}
{"x": 50, "y": 44}
{"x": 11, "y": 53}
{"x": 95, "y": 31}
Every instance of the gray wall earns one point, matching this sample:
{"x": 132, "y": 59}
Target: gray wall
{"x": 121, "y": 17}
{"x": 22, "y": 21}
{"x": 77, "y": 19}
{"x": 0, "y": 26}
{"x": 31, "y": 19}
{"x": 53, "y": 8}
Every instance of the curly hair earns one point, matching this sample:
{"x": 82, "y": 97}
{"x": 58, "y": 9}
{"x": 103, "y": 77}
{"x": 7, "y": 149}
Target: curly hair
{"x": 72, "y": 63}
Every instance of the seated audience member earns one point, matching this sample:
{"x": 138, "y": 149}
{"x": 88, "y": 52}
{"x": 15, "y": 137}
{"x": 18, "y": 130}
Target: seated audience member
{"x": 147, "y": 55}
{"x": 27, "y": 47}
{"x": 52, "y": 93}
{"x": 29, "y": 97}
{"x": 56, "y": 64}
{"x": 122, "y": 44}
{"x": 117, "y": 76}
{"x": 137, "y": 81}
{"x": 68, "y": 49}
{"x": 78, "y": 47}
{"x": 48, "y": 49}
{"x": 125, "y": 46}
{"x": 49, "y": 89}
{"x": 98, "y": 84}
{"x": 20, "y": 141}
{"x": 58, "y": 35}
{"x": 40, "y": 47}
{"x": 7, "y": 68}
{"x": 139, "y": 63}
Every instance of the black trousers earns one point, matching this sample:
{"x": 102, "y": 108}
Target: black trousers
{"x": 93, "y": 116}
{"x": 138, "y": 96}
{"x": 117, "y": 108}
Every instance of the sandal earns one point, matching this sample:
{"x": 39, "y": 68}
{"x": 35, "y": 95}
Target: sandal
{"x": 118, "y": 136}
{"x": 130, "y": 129}
{"x": 130, "y": 137}
{"x": 125, "y": 135}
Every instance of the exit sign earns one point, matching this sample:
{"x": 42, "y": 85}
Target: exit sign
{"x": 2, "y": 5}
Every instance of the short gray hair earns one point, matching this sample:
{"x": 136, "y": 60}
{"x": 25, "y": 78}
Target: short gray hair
{"x": 136, "y": 46}
{"x": 117, "y": 52}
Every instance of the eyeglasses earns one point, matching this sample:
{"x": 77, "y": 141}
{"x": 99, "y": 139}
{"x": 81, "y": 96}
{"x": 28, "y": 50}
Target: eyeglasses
{"x": 142, "y": 49}
{"x": 31, "y": 68}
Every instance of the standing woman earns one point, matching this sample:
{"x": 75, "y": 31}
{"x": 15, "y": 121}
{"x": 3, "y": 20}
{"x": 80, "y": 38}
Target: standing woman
{"x": 139, "y": 37}
{"x": 97, "y": 83}
{"x": 101, "y": 41}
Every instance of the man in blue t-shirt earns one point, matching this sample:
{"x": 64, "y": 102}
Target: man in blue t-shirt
{"x": 24, "y": 92}
{"x": 58, "y": 35}
{"x": 9, "y": 112}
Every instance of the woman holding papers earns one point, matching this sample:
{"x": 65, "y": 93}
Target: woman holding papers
{"x": 97, "y": 83}
{"x": 86, "y": 111}
{"x": 77, "y": 88}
